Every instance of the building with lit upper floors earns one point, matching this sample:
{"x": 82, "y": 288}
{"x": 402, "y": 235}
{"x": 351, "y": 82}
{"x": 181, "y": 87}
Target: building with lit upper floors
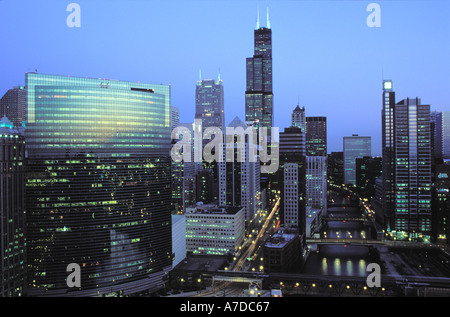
{"x": 98, "y": 185}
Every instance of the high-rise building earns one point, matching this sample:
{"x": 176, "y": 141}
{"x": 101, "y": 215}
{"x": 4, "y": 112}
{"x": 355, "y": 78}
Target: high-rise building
{"x": 98, "y": 187}
{"x": 209, "y": 103}
{"x": 442, "y": 135}
{"x": 441, "y": 203}
{"x": 316, "y": 136}
{"x": 174, "y": 117}
{"x": 242, "y": 180}
{"x": 176, "y": 168}
{"x": 209, "y": 112}
{"x": 292, "y": 178}
{"x": 178, "y": 238}
{"x": 388, "y": 154}
{"x": 258, "y": 92}
{"x": 355, "y": 146}
{"x": 336, "y": 167}
{"x": 316, "y": 182}
{"x": 368, "y": 169}
{"x": 316, "y": 163}
{"x": 406, "y": 166}
{"x": 412, "y": 168}
{"x": 298, "y": 118}
{"x": 12, "y": 105}
{"x": 13, "y": 279}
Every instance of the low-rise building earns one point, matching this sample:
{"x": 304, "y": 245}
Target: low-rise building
{"x": 214, "y": 230}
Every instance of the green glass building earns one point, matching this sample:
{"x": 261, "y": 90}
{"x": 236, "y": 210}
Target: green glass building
{"x": 98, "y": 186}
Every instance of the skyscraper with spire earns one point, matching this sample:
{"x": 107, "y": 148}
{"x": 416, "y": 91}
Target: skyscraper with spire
{"x": 258, "y": 93}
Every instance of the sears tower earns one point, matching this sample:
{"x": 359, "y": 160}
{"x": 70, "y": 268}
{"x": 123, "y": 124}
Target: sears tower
{"x": 258, "y": 93}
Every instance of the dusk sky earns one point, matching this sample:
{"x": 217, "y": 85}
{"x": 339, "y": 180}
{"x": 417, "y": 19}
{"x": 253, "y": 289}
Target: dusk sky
{"x": 324, "y": 54}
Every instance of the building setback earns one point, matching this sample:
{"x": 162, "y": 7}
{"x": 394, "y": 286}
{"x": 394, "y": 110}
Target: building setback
{"x": 258, "y": 92}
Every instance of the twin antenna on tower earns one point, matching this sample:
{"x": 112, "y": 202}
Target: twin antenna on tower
{"x": 257, "y": 19}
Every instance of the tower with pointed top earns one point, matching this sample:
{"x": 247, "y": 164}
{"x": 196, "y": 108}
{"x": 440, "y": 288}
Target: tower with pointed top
{"x": 258, "y": 93}
{"x": 298, "y": 118}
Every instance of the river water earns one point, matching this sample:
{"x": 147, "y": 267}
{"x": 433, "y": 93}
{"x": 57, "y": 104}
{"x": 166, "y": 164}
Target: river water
{"x": 344, "y": 260}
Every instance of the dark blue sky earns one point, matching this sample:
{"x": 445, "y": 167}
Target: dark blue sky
{"x": 324, "y": 53}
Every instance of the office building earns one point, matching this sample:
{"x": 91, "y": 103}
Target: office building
{"x": 214, "y": 230}
{"x": 98, "y": 190}
{"x": 282, "y": 252}
{"x": 316, "y": 136}
{"x": 368, "y": 170}
{"x": 406, "y": 166}
{"x": 258, "y": 92}
{"x": 209, "y": 103}
{"x": 209, "y": 113}
{"x": 292, "y": 179}
{"x": 336, "y": 167}
{"x": 298, "y": 118}
{"x": 242, "y": 181}
{"x": 13, "y": 278}
{"x": 178, "y": 239}
{"x": 355, "y": 147}
{"x": 316, "y": 163}
{"x": 316, "y": 182}
{"x": 442, "y": 135}
{"x": 12, "y": 105}
{"x": 412, "y": 168}
{"x": 388, "y": 155}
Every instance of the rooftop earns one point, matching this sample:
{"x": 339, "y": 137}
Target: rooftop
{"x": 212, "y": 209}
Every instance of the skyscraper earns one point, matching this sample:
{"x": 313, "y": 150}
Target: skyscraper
{"x": 12, "y": 211}
{"x": 174, "y": 117}
{"x": 406, "y": 165}
{"x": 243, "y": 175}
{"x": 388, "y": 154}
{"x": 291, "y": 178}
{"x": 258, "y": 92}
{"x": 442, "y": 136}
{"x": 412, "y": 168}
{"x": 355, "y": 146}
{"x": 316, "y": 136}
{"x": 209, "y": 112}
{"x": 209, "y": 103}
{"x": 12, "y": 105}
{"x": 336, "y": 167}
{"x": 98, "y": 185}
{"x": 368, "y": 170}
{"x": 298, "y": 118}
{"x": 316, "y": 163}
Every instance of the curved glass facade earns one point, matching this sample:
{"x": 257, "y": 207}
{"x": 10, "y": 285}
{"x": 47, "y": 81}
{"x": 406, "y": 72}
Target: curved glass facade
{"x": 98, "y": 185}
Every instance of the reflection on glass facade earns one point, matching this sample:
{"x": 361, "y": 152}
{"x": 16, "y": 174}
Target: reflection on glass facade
{"x": 98, "y": 185}
{"x": 354, "y": 147}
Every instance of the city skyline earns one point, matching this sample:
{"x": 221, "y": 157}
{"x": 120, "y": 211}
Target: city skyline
{"x": 135, "y": 155}
{"x": 338, "y": 69}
